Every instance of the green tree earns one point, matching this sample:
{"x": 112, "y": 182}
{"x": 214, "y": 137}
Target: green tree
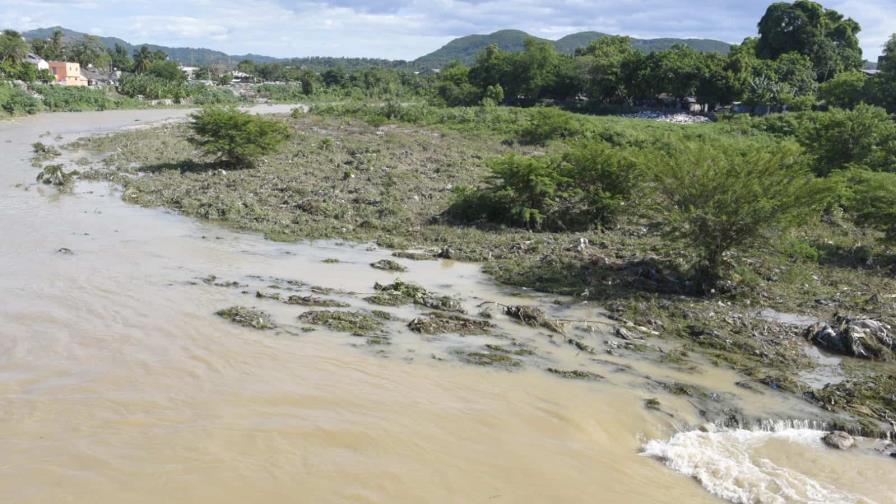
{"x": 536, "y": 67}
{"x": 680, "y": 71}
{"x": 455, "y": 88}
{"x": 121, "y": 59}
{"x": 90, "y": 51}
{"x": 167, "y": 70}
{"x": 864, "y": 136}
{"x": 13, "y": 47}
{"x": 887, "y": 62}
{"x": 805, "y": 27}
{"x": 870, "y": 197}
{"x": 235, "y": 138}
{"x": 51, "y": 49}
{"x": 493, "y": 68}
{"x": 607, "y": 58}
{"x": 722, "y": 195}
{"x": 145, "y": 57}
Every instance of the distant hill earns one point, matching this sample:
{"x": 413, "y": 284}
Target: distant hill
{"x": 466, "y": 48}
{"x": 184, "y": 55}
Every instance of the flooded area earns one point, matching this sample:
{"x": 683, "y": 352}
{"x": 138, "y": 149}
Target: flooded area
{"x": 119, "y": 384}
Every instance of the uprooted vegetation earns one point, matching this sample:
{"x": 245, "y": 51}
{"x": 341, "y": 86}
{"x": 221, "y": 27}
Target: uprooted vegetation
{"x": 356, "y": 323}
{"x": 402, "y": 293}
{"x": 442, "y": 323}
{"x": 247, "y": 317}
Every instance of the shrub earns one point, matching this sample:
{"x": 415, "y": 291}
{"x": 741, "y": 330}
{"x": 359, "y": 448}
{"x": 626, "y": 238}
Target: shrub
{"x": 870, "y": 197}
{"x": 523, "y": 190}
{"x": 865, "y": 135}
{"x": 723, "y": 195}
{"x": 211, "y": 95}
{"x": 548, "y": 123}
{"x": 598, "y": 181}
{"x": 152, "y": 87}
{"x": 586, "y": 187}
{"x": 74, "y": 99}
{"x": 837, "y": 138}
{"x": 845, "y": 90}
{"x": 15, "y": 101}
{"x": 234, "y": 137}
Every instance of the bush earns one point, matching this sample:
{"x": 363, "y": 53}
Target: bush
{"x": 15, "y": 101}
{"x": 846, "y": 90}
{"x": 870, "y": 197}
{"x": 234, "y": 137}
{"x": 864, "y": 136}
{"x": 585, "y": 188}
{"x": 719, "y": 196}
{"x": 548, "y": 123}
{"x": 284, "y": 93}
{"x": 74, "y": 99}
{"x": 837, "y": 138}
{"x": 211, "y": 95}
{"x": 152, "y": 87}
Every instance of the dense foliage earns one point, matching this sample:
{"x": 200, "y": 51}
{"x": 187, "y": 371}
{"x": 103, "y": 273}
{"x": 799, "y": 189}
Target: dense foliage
{"x": 721, "y": 195}
{"x": 580, "y": 190}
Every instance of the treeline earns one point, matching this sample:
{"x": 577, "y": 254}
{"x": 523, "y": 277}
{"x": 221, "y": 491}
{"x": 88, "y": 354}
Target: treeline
{"x": 803, "y": 54}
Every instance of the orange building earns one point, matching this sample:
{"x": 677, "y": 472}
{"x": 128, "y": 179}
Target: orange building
{"x": 67, "y": 73}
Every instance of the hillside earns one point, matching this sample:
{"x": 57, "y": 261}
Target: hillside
{"x": 466, "y": 48}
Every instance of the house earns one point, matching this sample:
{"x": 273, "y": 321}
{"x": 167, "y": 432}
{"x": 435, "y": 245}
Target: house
{"x": 190, "y": 71}
{"x": 67, "y": 73}
{"x": 98, "y": 78}
{"x": 37, "y": 61}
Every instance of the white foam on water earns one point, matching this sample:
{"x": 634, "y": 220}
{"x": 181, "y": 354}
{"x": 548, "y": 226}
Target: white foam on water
{"x": 725, "y": 464}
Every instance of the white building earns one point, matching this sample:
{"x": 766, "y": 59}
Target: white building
{"x": 37, "y": 61}
{"x": 190, "y": 71}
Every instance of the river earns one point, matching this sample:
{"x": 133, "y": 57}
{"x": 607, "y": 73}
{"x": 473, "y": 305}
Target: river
{"x": 118, "y": 384}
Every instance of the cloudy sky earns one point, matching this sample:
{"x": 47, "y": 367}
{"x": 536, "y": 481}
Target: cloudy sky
{"x": 406, "y": 29}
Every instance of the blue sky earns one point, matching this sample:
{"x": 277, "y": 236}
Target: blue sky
{"x": 406, "y": 29}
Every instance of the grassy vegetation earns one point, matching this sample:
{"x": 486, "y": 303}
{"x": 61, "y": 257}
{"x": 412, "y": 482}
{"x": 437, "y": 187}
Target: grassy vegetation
{"x": 390, "y": 173}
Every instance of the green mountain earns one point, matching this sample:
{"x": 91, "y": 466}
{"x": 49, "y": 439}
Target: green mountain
{"x": 466, "y": 48}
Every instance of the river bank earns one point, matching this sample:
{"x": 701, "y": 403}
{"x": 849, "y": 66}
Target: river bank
{"x": 116, "y": 354}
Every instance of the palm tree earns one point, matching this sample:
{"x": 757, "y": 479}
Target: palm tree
{"x": 13, "y": 48}
{"x": 142, "y": 59}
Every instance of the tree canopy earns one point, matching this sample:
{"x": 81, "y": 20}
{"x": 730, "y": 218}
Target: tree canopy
{"x": 825, "y": 36}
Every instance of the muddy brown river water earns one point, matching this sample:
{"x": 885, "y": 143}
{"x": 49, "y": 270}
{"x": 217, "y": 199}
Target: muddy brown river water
{"x": 118, "y": 384}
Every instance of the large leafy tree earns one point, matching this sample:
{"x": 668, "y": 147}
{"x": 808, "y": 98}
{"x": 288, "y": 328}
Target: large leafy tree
{"x": 52, "y": 48}
{"x": 90, "y": 51}
{"x": 680, "y": 71}
{"x": 887, "y": 64}
{"x": 120, "y": 58}
{"x": 607, "y": 59}
{"x": 145, "y": 57}
{"x": 824, "y": 35}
